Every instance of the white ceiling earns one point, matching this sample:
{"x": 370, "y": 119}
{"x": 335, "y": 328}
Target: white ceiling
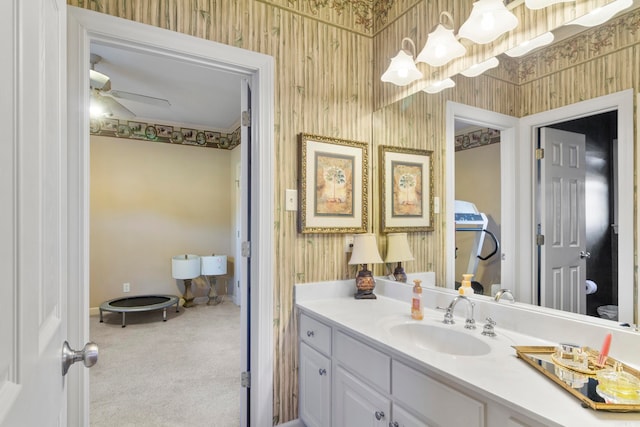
{"x": 200, "y": 97}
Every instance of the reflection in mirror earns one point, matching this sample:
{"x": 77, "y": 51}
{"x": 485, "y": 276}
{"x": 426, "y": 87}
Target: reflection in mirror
{"x": 477, "y": 207}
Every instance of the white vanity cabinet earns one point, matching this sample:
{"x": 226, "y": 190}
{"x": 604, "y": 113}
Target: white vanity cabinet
{"x": 348, "y": 381}
{"x": 315, "y": 373}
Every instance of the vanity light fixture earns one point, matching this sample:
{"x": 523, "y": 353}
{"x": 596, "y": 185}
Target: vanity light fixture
{"x": 439, "y": 86}
{"x": 365, "y": 251}
{"x": 529, "y": 45}
{"x": 489, "y": 19}
{"x": 402, "y": 69}
{"x": 397, "y": 251}
{"x": 541, "y": 4}
{"x": 441, "y": 46}
{"x": 481, "y": 67}
{"x": 602, "y": 14}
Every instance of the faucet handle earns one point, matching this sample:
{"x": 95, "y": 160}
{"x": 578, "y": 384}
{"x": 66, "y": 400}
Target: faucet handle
{"x": 488, "y": 328}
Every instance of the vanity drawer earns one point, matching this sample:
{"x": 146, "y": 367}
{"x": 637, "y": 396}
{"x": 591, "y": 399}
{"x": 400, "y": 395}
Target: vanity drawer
{"x": 363, "y": 361}
{"x": 316, "y": 334}
{"x": 436, "y": 402}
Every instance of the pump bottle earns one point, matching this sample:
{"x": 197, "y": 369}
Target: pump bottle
{"x": 417, "y": 311}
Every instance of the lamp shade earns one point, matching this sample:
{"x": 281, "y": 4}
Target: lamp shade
{"x": 439, "y": 86}
{"x": 214, "y": 265}
{"x": 441, "y": 47}
{"x": 185, "y": 266}
{"x": 481, "y": 67}
{"x": 526, "y": 47}
{"x": 402, "y": 70}
{"x": 602, "y": 14}
{"x": 489, "y": 19}
{"x": 365, "y": 250}
{"x": 398, "y": 248}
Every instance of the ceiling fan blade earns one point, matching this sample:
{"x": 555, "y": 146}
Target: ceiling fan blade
{"x": 117, "y": 110}
{"x": 99, "y": 81}
{"x": 140, "y": 98}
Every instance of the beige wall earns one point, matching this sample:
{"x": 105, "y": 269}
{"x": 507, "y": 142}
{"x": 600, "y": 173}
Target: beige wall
{"x": 477, "y": 179}
{"x": 149, "y": 202}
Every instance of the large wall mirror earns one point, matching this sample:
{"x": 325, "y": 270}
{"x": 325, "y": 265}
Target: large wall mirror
{"x": 486, "y": 133}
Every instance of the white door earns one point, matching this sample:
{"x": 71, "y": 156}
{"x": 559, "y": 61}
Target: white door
{"x": 562, "y": 209}
{"x": 315, "y": 388}
{"x": 33, "y": 218}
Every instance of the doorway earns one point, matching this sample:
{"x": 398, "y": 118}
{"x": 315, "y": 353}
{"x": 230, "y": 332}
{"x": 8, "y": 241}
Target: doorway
{"x": 86, "y": 27}
{"x": 599, "y": 219}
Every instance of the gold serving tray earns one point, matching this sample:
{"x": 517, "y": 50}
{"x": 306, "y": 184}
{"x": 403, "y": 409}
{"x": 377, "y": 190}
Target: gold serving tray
{"x": 581, "y": 385}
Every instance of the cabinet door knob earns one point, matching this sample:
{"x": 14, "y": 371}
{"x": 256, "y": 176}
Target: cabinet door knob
{"x": 379, "y": 415}
{"x": 309, "y": 334}
{"x": 322, "y": 371}
{"x": 393, "y": 424}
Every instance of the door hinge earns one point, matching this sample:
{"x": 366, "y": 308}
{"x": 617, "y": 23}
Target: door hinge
{"x": 540, "y": 239}
{"x": 246, "y": 118}
{"x": 539, "y": 153}
{"x": 246, "y": 249}
{"x": 245, "y": 379}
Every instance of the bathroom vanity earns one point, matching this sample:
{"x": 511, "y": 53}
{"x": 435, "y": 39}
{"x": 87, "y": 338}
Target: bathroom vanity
{"x": 367, "y": 363}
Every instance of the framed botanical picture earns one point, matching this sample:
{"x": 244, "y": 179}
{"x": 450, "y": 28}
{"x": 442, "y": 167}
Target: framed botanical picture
{"x": 333, "y": 185}
{"x": 406, "y": 178}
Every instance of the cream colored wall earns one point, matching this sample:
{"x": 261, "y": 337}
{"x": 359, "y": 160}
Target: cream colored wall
{"x": 477, "y": 180}
{"x": 149, "y": 202}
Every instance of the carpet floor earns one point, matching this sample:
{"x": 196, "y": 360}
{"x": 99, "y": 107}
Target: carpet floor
{"x": 182, "y": 372}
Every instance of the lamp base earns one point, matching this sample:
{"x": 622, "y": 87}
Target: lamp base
{"x": 188, "y": 295}
{"x": 365, "y": 283}
{"x": 399, "y": 274}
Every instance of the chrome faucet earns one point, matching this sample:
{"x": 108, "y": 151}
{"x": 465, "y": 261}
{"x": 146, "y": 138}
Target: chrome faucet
{"x": 502, "y": 292}
{"x": 469, "y": 323}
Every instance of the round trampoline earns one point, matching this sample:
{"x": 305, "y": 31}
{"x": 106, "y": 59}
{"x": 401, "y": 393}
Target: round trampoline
{"x": 140, "y": 303}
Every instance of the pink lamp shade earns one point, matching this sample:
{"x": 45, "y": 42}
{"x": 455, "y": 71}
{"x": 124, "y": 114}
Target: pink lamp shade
{"x": 214, "y": 265}
{"x": 185, "y": 266}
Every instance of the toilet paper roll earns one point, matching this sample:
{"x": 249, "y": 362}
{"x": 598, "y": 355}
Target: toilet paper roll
{"x": 591, "y": 287}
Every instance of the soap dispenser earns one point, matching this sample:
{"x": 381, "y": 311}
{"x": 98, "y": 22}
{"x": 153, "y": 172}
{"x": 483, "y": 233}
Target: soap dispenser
{"x": 465, "y": 287}
{"x": 417, "y": 311}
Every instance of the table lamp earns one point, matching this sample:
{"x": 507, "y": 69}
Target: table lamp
{"x": 365, "y": 251}
{"x": 186, "y": 267}
{"x": 213, "y": 265}
{"x": 397, "y": 251}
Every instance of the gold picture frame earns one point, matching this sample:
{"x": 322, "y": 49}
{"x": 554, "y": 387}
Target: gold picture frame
{"x": 406, "y": 181}
{"x": 333, "y": 183}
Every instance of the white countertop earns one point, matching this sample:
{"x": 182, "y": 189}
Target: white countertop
{"x": 499, "y": 375}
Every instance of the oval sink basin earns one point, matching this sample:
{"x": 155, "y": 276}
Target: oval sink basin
{"x": 440, "y": 339}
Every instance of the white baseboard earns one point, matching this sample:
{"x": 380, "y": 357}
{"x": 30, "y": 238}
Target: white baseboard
{"x": 294, "y": 423}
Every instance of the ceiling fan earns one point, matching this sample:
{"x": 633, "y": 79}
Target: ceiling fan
{"x": 104, "y": 100}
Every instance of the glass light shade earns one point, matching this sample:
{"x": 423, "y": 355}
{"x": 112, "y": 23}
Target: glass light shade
{"x": 489, "y": 19}
{"x": 214, "y": 265}
{"x": 365, "y": 249}
{"x": 402, "y": 70}
{"x": 481, "y": 67}
{"x": 439, "y": 86}
{"x": 185, "y": 266}
{"x": 441, "y": 47}
{"x": 541, "y": 4}
{"x": 602, "y": 14}
{"x": 529, "y": 45}
{"x": 398, "y": 248}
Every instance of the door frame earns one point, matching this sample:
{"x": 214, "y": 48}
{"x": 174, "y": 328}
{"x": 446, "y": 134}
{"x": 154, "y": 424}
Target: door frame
{"x": 622, "y": 102}
{"x": 508, "y": 127}
{"x": 85, "y": 26}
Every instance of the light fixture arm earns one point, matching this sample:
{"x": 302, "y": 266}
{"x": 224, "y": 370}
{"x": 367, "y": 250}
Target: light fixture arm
{"x": 412, "y": 52}
{"x": 449, "y": 17}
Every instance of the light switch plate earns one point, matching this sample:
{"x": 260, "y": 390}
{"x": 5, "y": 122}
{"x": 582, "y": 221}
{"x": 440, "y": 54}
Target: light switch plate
{"x": 291, "y": 200}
